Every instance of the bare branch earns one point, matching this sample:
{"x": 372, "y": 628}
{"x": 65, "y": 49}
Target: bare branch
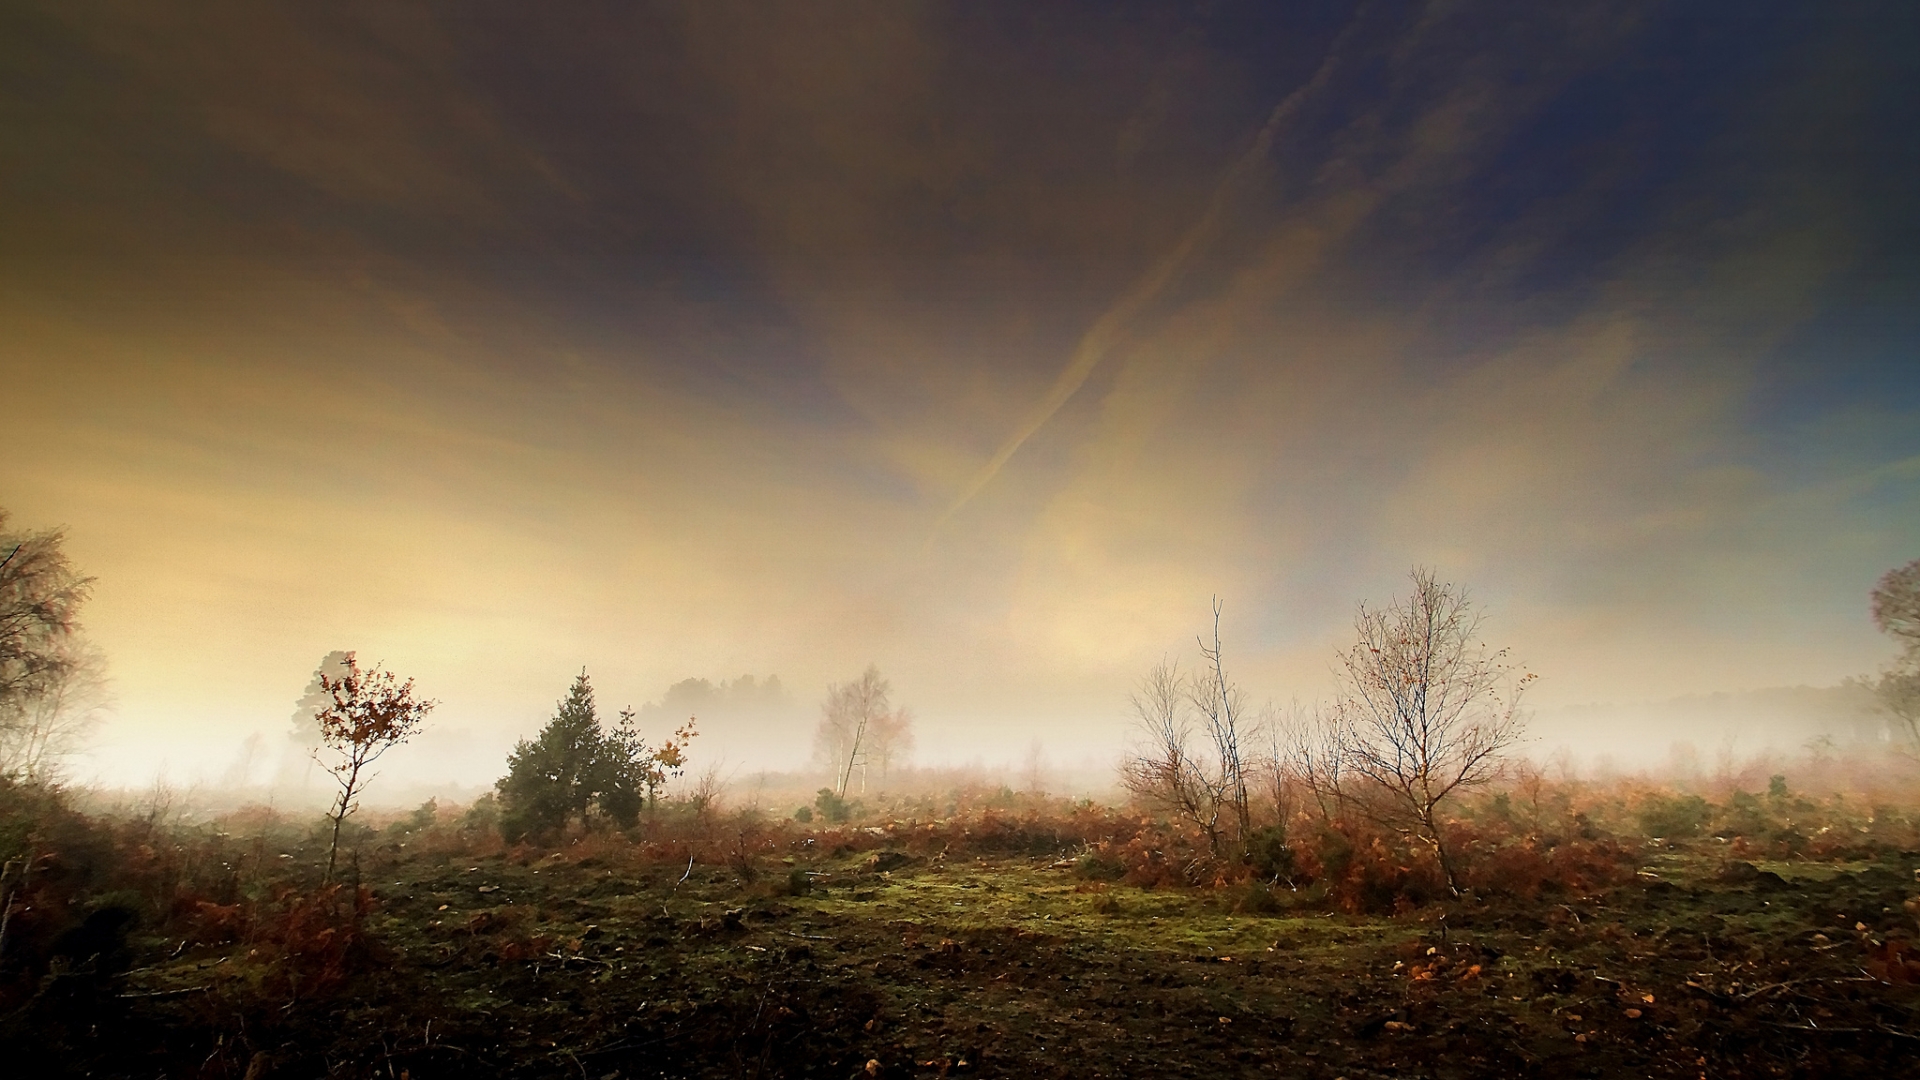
{"x": 1425, "y": 710}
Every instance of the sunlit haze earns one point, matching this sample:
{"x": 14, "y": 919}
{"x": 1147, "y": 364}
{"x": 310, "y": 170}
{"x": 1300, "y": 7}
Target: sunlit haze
{"x": 985, "y": 343}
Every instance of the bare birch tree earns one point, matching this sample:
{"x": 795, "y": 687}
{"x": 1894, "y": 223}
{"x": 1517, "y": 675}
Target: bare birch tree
{"x": 889, "y": 741}
{"x": 1218, "y": 703}
{"x": 1308, "y": 751}
{"x": 1425, "y": 710}
{"x": 849, "y": 718}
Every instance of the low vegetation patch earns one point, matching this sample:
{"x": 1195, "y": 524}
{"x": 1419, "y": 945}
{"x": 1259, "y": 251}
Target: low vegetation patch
{"x": 1045, "y": 938}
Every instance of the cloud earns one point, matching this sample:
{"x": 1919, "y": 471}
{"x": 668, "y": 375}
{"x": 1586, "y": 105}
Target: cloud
{"x": 657, "y": 340}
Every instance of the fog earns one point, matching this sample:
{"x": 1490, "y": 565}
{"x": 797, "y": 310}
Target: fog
{"x": 760, "y": 741}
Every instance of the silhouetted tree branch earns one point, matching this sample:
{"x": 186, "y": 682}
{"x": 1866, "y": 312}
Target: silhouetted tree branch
{"x": 367, "y": 714}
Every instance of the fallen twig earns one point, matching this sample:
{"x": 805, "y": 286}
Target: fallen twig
{"x": 566, "y": 959}
{"x": 620, "y": 1048}
{"x": 182, "y": 992}
{"x": 1881, "y": 1029}
{"x": 1751, "y": 994}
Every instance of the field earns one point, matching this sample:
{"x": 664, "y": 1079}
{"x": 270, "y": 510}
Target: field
{"x": 996, "y": 943}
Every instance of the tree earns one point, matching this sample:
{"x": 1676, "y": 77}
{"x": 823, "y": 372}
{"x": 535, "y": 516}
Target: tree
{"x": 1896, "y": 611}
{"x": 1208, "y": 786}
{"x": 856, "y": 720}
{"x": 1425, "y": 711}
{"x": 553, "y": 777}
{"x": 1219, "y": 705}
{"x": 1896, "y": 604}
{"x": 303, "y": 730}
{"x": 1165, "y": 772}
{"x": 573, "y": 769}
{"x": 41, "y": 656}
{"x": 55, "y": 720}
{"x": 889, "y": 741}
{"x": 631, "y": 774}
{"x": 367, "y": 714}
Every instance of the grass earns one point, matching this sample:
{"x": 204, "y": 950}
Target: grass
{"x": 1011, "y": 965}
{"x": 853, "y": 953}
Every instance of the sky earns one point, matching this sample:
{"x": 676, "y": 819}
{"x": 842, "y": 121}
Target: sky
{"x": 986, "y": 342}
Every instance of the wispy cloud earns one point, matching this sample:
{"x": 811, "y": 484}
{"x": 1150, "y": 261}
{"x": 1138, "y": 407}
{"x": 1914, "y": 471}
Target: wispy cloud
{"x": 707, "y": 340}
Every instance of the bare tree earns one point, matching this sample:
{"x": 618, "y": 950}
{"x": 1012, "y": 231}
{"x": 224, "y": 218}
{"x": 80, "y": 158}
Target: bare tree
{"x": 1163, "y": 772}
{"x": 1289, "y": 763}
{"x": 705, "y": 797}
{"x": 1218, "y": 702}
{"x": 1425, "y": 711}
{"x": 850, "y": 717}
{"x": 40, "y": 655}
{"x": 1307, "y": 750}
{"x": 368, "y": 713}
{"x": 889, "y": 742}
{"x": 1210, "y": 786}
{"x": 1033, "y": 770}
{"x": 56, "y": 719}
{"x": 1896, "y": 611}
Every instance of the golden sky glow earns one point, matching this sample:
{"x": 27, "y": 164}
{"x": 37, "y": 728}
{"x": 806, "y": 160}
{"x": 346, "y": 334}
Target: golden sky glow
{"x": 981, "y": 342}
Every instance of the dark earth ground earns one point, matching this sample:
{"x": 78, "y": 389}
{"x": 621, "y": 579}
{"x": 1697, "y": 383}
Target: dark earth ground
{"x": 897, "y": 966}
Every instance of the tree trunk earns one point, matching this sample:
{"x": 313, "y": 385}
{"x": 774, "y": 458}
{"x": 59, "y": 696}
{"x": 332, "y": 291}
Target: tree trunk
{"x": 333, "y": 847}
{"x": 341, "y": 810}
{"x": 1440, "y": 851}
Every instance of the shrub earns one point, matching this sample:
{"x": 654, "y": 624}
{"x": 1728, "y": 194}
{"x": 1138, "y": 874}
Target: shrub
{"x": 1099, "y": 865}
{"x": 1259, "y": 899}
{"x": 1270, "y": 856}
{"x": 1379, "y": 875}
{"x": 1674, "y": 815}
{"x": 1527, "y": 868}
{"x": 483, "y": 816}
{"x": 832, "y": 807}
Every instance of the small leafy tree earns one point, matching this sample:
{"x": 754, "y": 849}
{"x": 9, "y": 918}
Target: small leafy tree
{"x": 832, "y": 807}
{"x": 366, "y": 714}
{"x": 631, "y": 774}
